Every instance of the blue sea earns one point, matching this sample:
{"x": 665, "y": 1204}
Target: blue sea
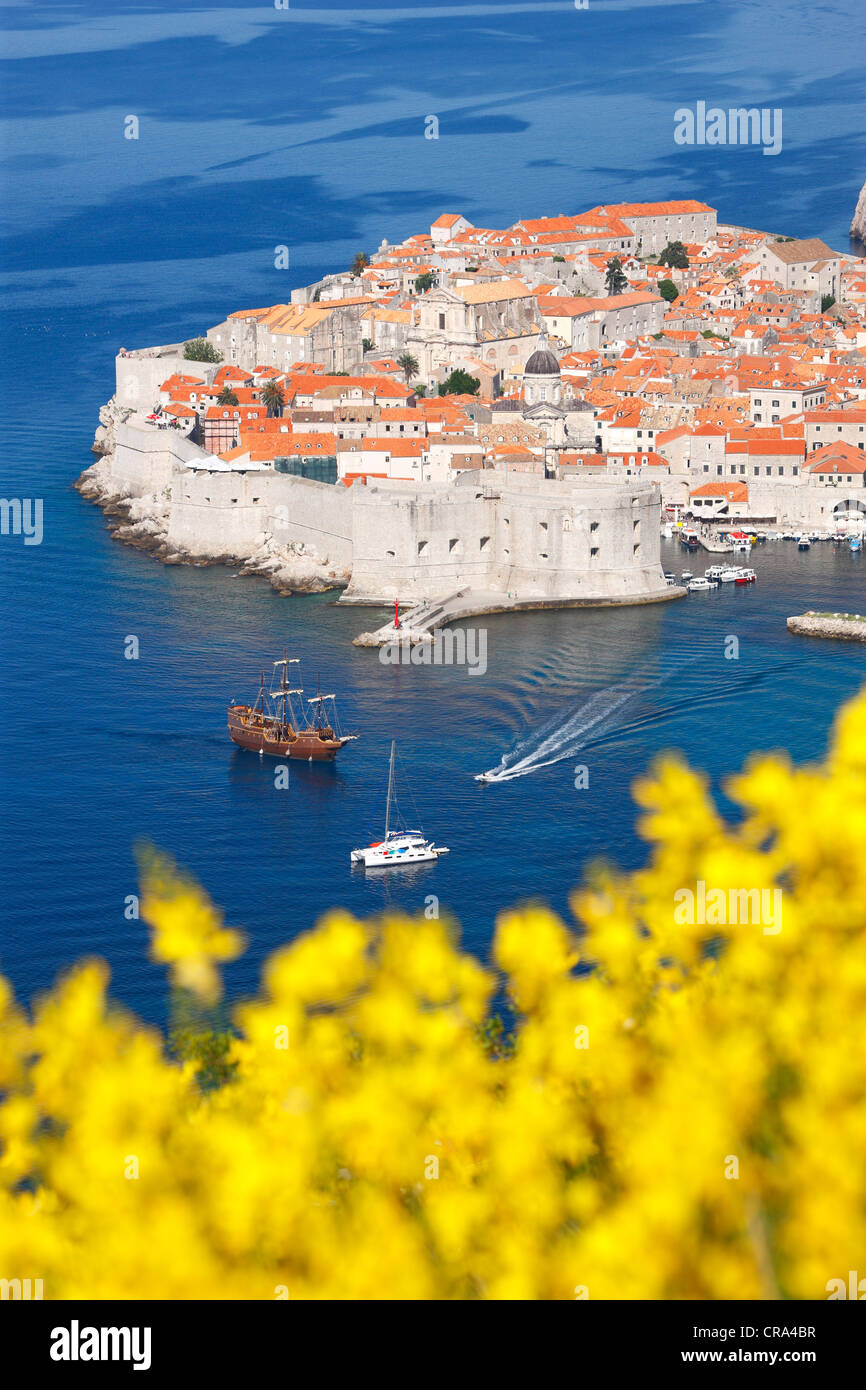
{"x": 260, "y": 127}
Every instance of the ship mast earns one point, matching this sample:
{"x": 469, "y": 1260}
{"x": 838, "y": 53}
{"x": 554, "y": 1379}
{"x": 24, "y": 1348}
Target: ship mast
{"x": 390, "y": 785}
{"x": 284, "y": 688}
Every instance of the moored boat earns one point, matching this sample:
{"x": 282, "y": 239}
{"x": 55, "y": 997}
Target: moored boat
{"x": 397, "y": 848}
{"x": 276, "y": 725}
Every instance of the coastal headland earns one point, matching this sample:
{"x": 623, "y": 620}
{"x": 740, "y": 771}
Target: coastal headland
{"x": 467, "y": 431}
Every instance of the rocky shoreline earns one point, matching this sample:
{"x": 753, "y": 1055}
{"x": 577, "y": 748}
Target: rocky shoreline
{"x": 842, "y": 627}
{"x": 858, "y": 225}
{"x": 143, "y": 522}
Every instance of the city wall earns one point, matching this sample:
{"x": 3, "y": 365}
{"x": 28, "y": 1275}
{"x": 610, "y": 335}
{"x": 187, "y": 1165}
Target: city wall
{"x": 523, "y": 537}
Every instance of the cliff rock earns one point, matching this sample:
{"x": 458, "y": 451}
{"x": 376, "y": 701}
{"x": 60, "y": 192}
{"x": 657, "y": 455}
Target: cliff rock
{"x": 110, "y": 416}
{"x": 858, "y": 226}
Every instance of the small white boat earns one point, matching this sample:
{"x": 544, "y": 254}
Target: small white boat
{"x": 803, "y": 543}
{"x": 728, "y": 575}
{"x": 396, "y": 848}
{"x": 686, "y": 574}
{"x": 699, "y": 584}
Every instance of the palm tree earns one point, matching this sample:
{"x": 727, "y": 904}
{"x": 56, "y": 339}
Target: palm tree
{"x": 273, "y": 397}
{"x": 359, "y": 263}
{"x": 227, "y": 397}
{"x": 409, "y": 366}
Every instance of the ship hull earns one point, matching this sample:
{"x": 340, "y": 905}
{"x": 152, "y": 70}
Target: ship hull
{"x": 307, "y": 745}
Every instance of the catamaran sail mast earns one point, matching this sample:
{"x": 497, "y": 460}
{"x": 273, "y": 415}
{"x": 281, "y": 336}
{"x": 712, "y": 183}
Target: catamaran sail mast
{"x": 390, "y": 785}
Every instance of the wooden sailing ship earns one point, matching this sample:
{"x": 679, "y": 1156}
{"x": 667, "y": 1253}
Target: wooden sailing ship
{"x": 283, "y": 724}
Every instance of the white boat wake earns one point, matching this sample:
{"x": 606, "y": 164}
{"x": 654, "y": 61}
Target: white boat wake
{"x": 556, "y": 739}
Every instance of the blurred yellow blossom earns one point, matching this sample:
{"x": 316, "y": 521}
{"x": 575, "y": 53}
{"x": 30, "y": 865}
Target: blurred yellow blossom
{"x": 188, "y": 933}
{"x": 681, "y": 1112}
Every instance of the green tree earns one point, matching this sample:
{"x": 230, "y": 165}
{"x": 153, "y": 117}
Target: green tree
{"x": 203, "y": 1036}
{"x": 359, "y": 263}
{"x": 408, "y": 365}
{"x": 273, "y": 397}
{"x": 367, "y": 344}
{"x": 227, "y": 397}
{"x": 560, "y": 258}
{"x": 668, "y": 290}
{"x": 460, "y": 383}
{"x": 420, "y": 389}
{"x": 674, "y": 255}
{"x": 424, "y": 282}
{"x": 827, "y": 302}
{"x": 200, "y": 350}
{"x": 615, "y": 281}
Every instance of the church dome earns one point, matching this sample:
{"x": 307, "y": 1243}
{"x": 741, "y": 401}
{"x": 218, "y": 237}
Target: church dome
{"x": 542, "y": 362}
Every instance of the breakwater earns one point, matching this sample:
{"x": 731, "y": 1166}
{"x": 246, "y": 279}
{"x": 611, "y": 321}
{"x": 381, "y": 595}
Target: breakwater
{"x": 842, "y": 627}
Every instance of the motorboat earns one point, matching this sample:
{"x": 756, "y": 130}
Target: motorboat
{"x": 699, "y": 584}
{"x": 686, "y": 574}
{"x": 745, "y": 576}
{"x": 803, "y": 543}
{"x": 397, "y": 848}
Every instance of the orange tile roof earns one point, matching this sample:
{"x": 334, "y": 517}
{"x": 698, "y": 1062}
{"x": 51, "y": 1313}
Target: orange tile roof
{"x": 735, "y": 492}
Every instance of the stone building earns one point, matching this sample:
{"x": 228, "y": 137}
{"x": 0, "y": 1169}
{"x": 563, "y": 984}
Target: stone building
{"x": 496, "y": 322}
{"x": 328, "y": 333}
{"x": 526, "y": 538}
{"x": 802, "y": 265}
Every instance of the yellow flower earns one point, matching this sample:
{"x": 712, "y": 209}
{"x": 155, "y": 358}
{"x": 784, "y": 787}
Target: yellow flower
{"x": 188, "y": 931}
{"x": 682, "y": 1114}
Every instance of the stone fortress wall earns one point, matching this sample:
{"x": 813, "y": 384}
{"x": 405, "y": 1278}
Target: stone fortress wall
{"x": 525, "y": 537}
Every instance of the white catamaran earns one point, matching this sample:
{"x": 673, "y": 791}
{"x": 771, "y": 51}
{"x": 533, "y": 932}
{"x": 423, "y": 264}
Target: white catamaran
{"x": 397, "y": 847}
